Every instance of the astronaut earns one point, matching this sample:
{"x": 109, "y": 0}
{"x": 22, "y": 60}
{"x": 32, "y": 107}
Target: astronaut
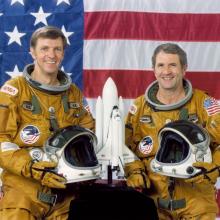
{"x": 32, "y": 108}
{"x": 168, "y": 99}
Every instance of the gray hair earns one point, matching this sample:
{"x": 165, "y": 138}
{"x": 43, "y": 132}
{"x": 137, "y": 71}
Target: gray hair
{"x": 170, "y": 48}
{"x": 50, "y": 32}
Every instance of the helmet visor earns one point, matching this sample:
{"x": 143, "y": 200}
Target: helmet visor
{"x": 173, "y": 148}
{"x": 80, "y": 152}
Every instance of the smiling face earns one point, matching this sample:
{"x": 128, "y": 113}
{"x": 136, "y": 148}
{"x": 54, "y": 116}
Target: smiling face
{"x": 168, "y": 71}
{"x": 48, "y": 55}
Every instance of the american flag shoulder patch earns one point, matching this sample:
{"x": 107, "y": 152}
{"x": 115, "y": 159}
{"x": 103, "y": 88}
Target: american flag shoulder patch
{"x": 86, "y": 105}
{"x": 211, "y": 106}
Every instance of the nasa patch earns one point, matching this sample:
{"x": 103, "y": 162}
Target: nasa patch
{"x": 30, "y": 134}
{"x": 146, "y": 145}
{"x": 36, "y": 154}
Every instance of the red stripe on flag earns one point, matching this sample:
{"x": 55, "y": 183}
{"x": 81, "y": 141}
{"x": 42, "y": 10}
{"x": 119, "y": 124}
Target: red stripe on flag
{"x": 132, "y": 83}
{"x": 214, "y": 110}
{"x": 152, "y": 26}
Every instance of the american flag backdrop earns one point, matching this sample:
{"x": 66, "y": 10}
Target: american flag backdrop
{"x": 120, "y": 36}
{"x": 115, "y": 38}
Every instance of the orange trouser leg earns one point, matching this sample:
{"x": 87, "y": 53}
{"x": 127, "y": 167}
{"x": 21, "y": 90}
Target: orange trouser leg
{"x": 206, "y": 216}
{"x": 16, "y": 214}
{"x": 163, "y": 215}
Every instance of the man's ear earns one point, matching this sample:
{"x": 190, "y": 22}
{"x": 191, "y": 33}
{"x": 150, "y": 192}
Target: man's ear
{"x": 32, "y": 52}
{"x": 184, "y": 69}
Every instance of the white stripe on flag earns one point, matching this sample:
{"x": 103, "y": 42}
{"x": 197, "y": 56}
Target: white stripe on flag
{"x": 136, "y": 54}
{"x": 169, "y": 6}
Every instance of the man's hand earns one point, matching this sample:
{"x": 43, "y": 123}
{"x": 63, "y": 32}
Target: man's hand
{"x": 209, "y": 173}
{"x": 138, "y": 179}
{"x": 43, "y": 172}
{"x": 136, "y": 176}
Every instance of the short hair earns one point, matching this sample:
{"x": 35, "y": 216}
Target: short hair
{"x": 50, "y": 32}
{"x": 170, "y": 48}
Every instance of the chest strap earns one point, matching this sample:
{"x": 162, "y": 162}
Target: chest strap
{"x": 36, "y": 109}
{"x": 47, "y": 198}
{"x": 65, "y": 103}
{"x": 184, "y": 114}
{"x": 170, "y": 204}
{"x": 36, "y": 105}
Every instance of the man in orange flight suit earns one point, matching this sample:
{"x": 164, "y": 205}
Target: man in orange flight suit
{"x": 32, "y": 106}
{"x": 167, "y": 99}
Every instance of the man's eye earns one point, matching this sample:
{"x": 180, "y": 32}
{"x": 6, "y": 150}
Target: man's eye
{"x": 59, "y": 49}
{"x": 160, "y": 65}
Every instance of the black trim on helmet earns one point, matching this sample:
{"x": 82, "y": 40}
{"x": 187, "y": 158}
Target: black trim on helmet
{"x": 78, "y": 145}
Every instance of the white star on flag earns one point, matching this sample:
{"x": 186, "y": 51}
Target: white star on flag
{"x": 62, "y": 68}
{"x": 65, "y": 1}
{"x": 15, "y": 36}
{"x": 1, "y": 14}
{"x": 66, "y": 34}
{"x": 19, "y": 1}
{"x": 40, "y": 16}
{"x": 15, "y": 72}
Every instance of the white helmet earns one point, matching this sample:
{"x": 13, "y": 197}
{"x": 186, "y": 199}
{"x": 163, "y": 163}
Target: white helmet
{"x": 72, "y": 148}
{"x": 181, "y": 143}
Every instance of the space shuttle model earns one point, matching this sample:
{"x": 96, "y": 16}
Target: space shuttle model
{"x": 111, "y": 151}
